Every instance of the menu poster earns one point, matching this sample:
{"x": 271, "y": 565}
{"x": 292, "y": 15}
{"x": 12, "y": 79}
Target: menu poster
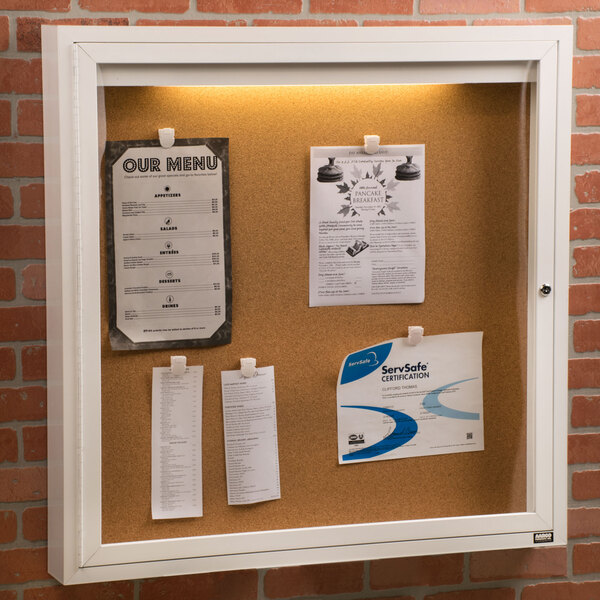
{"x": 168, "y": 243}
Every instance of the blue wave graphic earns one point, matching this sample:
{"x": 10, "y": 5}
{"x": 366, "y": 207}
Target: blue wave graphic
{"x": 432, "y": 403}
{"x": 405, "y": 430}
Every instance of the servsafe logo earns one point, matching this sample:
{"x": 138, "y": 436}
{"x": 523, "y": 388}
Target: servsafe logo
{"x": 362, "y": 363}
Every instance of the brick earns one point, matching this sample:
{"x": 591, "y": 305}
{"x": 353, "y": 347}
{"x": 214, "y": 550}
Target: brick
{"x": 21, "y": 484}
{"x": 584, "y": 298}
{"x": 34, "y": 282}
{"x": 445, "y": 569}
{"x": 587, "y": 187}
{"x": 438, "y": 7}
{"x": 381, "y": 7}
{"x": 8, "y": 283}
{"x": 22, "y": 323}
{"x": 529, "y": 563}
{"x": 583, "y": 522}
{"x": 29, "y": 36}
{"x": 8, "y": 364}
{"x": 30, "y": 118}
{"x": 586, "y": 335}
{"x": 35, "y": 523}
{"x": 584, "y": 448}
{"x": 5, "y": 118}
{"x": 584, "y": 373}
{"x": 585, "y": 224}
{"x": 146, "y": 6}
{"x": 588, "y": 109}
{"x": 4, "y": 33}
{"x": 585, "y": 485}
{"x": 391, "y": 598}
{"x": 34, "y": 443}
{"x": 235, "y": 585}
{"x": 586, "y": 71}
{"x": 115, "y": 590}
{"x": 33, "y": 363}
{"x": 21, "y": 160}
{"x": 32, "y": 201}
{"x": 9, "y": 449}
{"x": 562, "y": 591}
{"x": 8, "y": 595}
{"x": 8, "y": 527}
{"x": 487, "y": 594}
{"x": 23, "y": 564}
{"x": 560, "y": 5}
{"x": 587, "y": 261}
{"x": 410, "y": 23}
{"x": 20, "y": 76}
{"x": 23, "y": 404}
{"x": 586, "y": 558}
{"x": 22, "y": 241}
{"x": 305, "y": 22}
{"x": 535, "y": 21}
{"x": 49, "y": 5}
{"x": 6, "y": 202}
{"x": 314, "y": 580}
{"x": 585, "y": 148}
{"x": 191, "y": 22}
{"x": 588, "y": 33}
{"x": 585, "y": 411}
{"x": 250, "y": 6}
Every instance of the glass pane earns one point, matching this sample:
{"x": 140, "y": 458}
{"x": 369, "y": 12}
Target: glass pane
{"x": 476, "y": 140}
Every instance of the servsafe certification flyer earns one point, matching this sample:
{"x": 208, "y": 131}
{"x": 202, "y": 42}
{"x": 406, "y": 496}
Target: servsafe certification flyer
{"x": 169, "y": 262}
{"x": 367, "y": 225}
{"x": 396, "y": 401}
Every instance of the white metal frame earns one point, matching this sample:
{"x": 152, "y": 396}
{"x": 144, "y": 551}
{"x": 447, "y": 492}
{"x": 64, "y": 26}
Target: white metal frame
{"x": 76, "y": 61}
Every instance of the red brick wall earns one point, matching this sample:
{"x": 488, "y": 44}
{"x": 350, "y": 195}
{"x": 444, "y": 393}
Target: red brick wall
{"x": 540, "y": 574}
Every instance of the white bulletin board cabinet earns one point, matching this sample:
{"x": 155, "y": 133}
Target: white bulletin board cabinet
{"x": 79, "y": 62}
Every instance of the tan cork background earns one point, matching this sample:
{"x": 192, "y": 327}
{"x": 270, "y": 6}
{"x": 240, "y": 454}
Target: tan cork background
{"x": 476, "y": 195}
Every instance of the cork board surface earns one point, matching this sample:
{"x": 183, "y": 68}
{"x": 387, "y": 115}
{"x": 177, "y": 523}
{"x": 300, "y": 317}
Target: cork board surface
{"x": 476, "y": 188}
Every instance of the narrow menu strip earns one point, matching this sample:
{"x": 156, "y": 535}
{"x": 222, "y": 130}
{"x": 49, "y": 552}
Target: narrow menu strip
{"x": 177, "y": 443}
{"x": 250, "y": 424}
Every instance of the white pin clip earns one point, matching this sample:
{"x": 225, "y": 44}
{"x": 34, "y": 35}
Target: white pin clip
{"x": 415, "y": 335}
{"x": 371, "y": 144}
{"x": 178, "y": 364}
{"x": 166, "y": 137}
{"x": 248, "y": 367}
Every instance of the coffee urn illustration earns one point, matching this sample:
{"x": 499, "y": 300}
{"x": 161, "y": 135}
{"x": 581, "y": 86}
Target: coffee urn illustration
{"x": 408, "y": 171}
{"x": 330, "y": 173}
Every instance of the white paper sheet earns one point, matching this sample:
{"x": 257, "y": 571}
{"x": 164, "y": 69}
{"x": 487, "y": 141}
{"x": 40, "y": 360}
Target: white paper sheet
{"x": 176, "y": 443}
{"x": 367, "y": 227}
{"x": 250, "y": 423}
{"x": 398, "y": 401}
